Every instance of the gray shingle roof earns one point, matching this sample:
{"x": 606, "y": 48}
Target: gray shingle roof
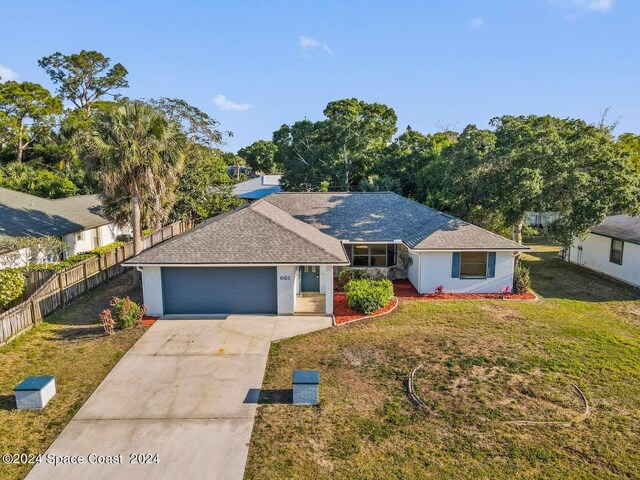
{"x": 23, "y": 215}
{"x": 623, "y": 227}
{"x": 385, "y": 216}
{"x": 259, "y": 233}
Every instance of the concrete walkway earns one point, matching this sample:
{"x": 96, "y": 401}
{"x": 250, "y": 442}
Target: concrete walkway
{"x": 187, "y": 391}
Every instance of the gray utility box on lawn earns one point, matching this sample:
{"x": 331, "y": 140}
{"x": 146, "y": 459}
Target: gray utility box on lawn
{"x": 34, "y": 392}
{"x": 305, "y": 387}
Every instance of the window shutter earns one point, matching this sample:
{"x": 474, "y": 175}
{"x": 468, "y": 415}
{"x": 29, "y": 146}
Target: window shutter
{"x": 491, "y": 265}
{"x": 455, "y": 265}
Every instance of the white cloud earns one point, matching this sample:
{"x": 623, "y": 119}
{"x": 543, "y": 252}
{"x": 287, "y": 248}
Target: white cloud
{"x": 7, "y": 74}
{"x": 223, "y": 103}
{"x": 589, "y": 5}
{"x": 476, "y": 22}
{"x": 308, "y": 42}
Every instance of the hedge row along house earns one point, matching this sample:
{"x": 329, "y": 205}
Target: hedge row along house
{"x": 267, "y": 255}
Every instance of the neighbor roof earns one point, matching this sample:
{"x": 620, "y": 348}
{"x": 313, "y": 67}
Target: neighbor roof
{"x": 258, "y": 187}
{"x": 623, "y": 227}
{"x": 386, "y": 217}
{"x": 23, "y": 215}
{"x": 259, "y": 233}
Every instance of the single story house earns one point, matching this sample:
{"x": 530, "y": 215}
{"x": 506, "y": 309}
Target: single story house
{"x": 612, "y": 248}
{"x": 268, "y": 255}
{"x": 259, "y": 187}
{"x": 77, "y": 221}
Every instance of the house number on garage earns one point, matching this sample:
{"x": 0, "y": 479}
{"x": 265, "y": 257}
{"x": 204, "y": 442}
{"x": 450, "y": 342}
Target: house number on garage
{"x": 285, "y": 277}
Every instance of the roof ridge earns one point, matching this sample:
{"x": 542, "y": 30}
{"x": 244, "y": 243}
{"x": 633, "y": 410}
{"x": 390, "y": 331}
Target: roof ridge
{"x": 296, "y": 233}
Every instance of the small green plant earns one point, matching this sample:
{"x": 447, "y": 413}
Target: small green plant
{"x": 521, "y": 278}
{"x": 127, "y": 312}
{"x": 367, "y": 295}
{"x": 345, "y": 276}
{"x": 12, "y": 285}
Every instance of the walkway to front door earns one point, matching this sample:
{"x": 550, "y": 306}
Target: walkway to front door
{"x": 310, "y": 279}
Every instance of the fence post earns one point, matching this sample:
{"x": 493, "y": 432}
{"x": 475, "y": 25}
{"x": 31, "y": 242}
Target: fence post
{"x": 61, "y": 288}
{"x": 84, "y": 275}
{"x": 32, "y": 309}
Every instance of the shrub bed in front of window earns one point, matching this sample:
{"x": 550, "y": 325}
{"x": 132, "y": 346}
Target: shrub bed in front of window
{"x": 368, "y": 295}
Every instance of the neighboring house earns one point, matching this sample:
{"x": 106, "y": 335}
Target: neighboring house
{"x": 258, "y": 187}
{"x": 77, "y": 221}
{"x": 612, "y": 248}
{"x": 267, "y": 255}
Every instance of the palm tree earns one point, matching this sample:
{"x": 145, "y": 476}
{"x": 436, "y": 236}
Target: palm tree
{"x": 138, "y": 154}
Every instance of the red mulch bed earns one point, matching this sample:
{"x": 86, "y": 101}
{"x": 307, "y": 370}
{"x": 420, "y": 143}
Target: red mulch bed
{"x": 344, "y": 314}
{"x": 404, "y": 289}
{"x": 148, "y": 320}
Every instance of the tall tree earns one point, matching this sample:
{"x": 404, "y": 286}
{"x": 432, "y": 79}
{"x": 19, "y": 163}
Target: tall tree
{"x": 303, "y": 152}
{"x": 260, "y": 156}
{"x": 27, "y": 113}
{"x": 342, "y": 149}
{"x": 84, "y": 77}
{"x": 629, "y": 145}
{"x": 198, "y": 126}
{"x": 358, "y": 132}
{"x": 563, "y": 165}
{"x": 204, "y": 188}
{"x": 137, "y": 152}
{"x": 409, "y": 153}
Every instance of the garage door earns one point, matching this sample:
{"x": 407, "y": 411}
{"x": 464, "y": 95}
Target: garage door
{"x": 219, "y": 290}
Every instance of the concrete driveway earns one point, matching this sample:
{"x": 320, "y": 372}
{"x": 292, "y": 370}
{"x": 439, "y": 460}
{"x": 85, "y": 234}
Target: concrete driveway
{"x": 187, "y": 391}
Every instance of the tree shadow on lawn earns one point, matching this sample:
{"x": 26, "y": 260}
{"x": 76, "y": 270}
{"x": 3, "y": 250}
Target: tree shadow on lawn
{"x": 7, "y": 402}
{"x": 552, "y": 277}
{"x": 269, "y": 396}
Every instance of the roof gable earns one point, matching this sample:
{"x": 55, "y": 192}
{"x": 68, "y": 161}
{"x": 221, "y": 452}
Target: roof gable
{"x": 254, "y": 234}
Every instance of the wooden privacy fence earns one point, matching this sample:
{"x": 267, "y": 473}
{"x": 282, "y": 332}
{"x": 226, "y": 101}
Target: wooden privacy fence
{"x": 66, "y": 285}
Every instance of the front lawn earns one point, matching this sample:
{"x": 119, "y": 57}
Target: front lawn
{"x": 486, "y": 363}
{"x": 70, "y": 345}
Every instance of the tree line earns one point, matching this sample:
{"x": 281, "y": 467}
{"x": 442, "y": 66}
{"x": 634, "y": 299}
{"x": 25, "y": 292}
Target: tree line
{"x": 153, "y": 161}
{"x": 491, "y": 177}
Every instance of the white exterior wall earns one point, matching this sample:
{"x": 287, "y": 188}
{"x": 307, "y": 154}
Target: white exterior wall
{"x": 152, "y": 290}
{"x": 435, "y": 269}
{"x": 106, "y": 234}
{"x": 595, "y": 255}
{"x": 286, "y": 289}
{"x": 413, "y": 270}
{"x": 326, "y": 287}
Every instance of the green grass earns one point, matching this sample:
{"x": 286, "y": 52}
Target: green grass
{"x": 72, "y": 346}
{"x": 485, "y": 363}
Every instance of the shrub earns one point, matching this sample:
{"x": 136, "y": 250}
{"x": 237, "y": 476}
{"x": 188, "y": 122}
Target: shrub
{"x": 127, "y": 312}
{"x": 345, "y": 276}
{"x": 108, "y": 323}
{"x": 521, "y": 279}
{"x": 367, "y": 295}
{"x": 12, "y": 285}
{"x": 75, "y": 259}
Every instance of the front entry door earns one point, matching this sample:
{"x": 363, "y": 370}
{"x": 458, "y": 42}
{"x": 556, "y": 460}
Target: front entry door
{"x": 310, "y": 279}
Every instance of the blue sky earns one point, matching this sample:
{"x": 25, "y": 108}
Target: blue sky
{"x": 439, "y": 64}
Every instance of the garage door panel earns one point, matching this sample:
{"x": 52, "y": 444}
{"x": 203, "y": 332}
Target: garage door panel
{"x": 203, "y": 290}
